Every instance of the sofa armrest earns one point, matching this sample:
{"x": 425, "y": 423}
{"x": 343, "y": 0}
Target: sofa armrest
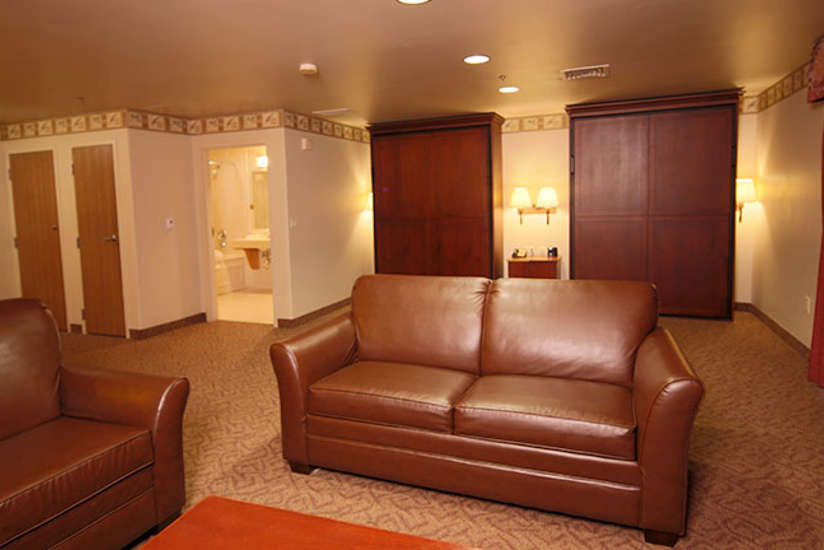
{"x": 152, "y": 402}
{"x": 666, "y": 394}
{"x": 299, "y": 362}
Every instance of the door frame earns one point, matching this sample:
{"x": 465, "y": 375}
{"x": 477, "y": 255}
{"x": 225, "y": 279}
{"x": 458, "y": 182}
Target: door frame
{"x": 126, "y": 233}
{"x": 61, "y": 221}
{"x": 207, "y": 261}
{"x": 71, "y": 153}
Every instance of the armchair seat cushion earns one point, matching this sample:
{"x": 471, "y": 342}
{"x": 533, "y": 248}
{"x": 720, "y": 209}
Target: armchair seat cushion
{"x": 578, "y": 416}
{"x": 398, "y": 394}
{"x": 60, "y": 464}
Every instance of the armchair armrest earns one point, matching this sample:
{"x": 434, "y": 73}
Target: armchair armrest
{"x": 666, "y": 394}
{"x": 153, "y": 402}
{"x": 299, "y": 362}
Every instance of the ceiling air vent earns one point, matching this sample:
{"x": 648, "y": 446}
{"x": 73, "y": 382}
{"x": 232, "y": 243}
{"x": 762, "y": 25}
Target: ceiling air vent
{"x": 593, "y": 71}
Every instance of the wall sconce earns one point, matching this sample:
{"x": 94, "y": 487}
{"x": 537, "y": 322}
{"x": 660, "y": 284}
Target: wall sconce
{"x": 262, "y": 162}
{"x": 547, "y": 202}
{"x": 744, "y": 193}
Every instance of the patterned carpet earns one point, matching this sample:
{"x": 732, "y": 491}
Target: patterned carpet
{"x": 757, "y": 454}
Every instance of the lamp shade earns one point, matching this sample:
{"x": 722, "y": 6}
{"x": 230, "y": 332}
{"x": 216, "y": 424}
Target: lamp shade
{"x": 520, "y": 198}
{"x": 745, "y": 190}
{"x": 547, "y": 198}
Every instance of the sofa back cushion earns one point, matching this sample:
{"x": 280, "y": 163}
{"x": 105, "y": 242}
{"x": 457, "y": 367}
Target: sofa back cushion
{"x": 29, "y": 363}
{"x": 433, "y": 321}
{"x": 585, "y": 330}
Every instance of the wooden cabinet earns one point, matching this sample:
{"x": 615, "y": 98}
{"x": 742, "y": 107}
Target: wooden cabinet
{"x": 652, "y": 197}
{"x": 536, "y": 267}
{"x": 437, "y": 196}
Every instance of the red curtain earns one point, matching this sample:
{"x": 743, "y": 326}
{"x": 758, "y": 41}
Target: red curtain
{"x": 816, "y": 372}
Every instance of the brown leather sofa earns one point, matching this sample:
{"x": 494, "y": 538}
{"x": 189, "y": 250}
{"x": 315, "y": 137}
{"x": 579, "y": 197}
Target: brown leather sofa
{"x": 88, "y": 459}
{"x": 558, "y": 395}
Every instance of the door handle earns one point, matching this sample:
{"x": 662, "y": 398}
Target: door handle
{"x": 111, "y": 239}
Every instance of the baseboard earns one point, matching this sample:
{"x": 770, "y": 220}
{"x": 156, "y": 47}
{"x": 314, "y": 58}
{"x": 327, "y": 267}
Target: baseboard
{"x": 312, "y": 315}
{"x": 782, "y": 333}
{"x": 142, "y": 333}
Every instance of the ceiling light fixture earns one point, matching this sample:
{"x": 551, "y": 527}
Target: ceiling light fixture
{"x": 308, "y": 69}
{"x": 476, "y": 59}
{"x": 412, "y": 2}
{"x": 508, "y": 89}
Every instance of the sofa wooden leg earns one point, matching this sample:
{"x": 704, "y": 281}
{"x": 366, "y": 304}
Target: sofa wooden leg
{"x": 660, "y": 537}
{"x": 300, "y": 468}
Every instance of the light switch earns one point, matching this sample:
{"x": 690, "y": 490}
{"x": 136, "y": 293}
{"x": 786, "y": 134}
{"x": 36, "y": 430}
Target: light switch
{"x": 306, "y": 144}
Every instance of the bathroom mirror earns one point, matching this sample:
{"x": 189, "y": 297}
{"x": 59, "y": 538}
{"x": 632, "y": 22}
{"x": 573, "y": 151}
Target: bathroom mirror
{"x": 260, "y": 200}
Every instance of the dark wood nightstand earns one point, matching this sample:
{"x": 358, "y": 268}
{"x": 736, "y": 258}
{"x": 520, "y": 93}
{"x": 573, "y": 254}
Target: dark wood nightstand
{"x": 534, "y": 267}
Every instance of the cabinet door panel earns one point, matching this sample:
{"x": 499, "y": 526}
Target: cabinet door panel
{"x": 402, "y": 187}
{"x": 401, "y": 247}
{"x": 689, "y": 261}
{"x": 459, "y": 170}
{"x": 691, "y": 163}
{"x": 611, "y": 166}
{"x": 611, "y": 248}
{"x": 461, "y": 247}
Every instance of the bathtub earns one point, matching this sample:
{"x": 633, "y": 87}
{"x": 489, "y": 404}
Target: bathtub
{"x": 229, "y": 276}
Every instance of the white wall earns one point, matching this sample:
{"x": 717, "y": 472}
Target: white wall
{"x": 788, "y": 239}
{"x": 162, "y": 189}
{"x": 535, "y": 160}
{"x": 61, "y": 147}
{"x": 330, "y": 237}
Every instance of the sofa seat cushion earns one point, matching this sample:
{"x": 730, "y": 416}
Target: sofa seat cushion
{"x": 398, "y": 394}
{"x": 572, "y": 415}
{"x": 48, "y": 470}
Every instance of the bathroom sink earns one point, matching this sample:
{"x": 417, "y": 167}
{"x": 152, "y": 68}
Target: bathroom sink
{"x": 252, "y": 245}
{"x": 253, "y": 241}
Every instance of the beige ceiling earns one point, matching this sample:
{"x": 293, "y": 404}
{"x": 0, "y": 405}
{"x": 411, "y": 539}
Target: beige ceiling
{"x": 384, "y": 60}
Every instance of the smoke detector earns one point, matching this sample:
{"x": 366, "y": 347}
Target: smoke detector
{"x": 592, "y": 71}
{"x": 308, "y": 69}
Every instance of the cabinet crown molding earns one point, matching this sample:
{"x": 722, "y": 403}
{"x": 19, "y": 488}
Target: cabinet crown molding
{"x": 662, "y": 103}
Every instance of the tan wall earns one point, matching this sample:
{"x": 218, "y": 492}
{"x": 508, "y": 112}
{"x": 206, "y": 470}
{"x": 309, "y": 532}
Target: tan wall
{"x": 61, "y": 147}
{"x": 166, "y": 258}
{"x": 535, "y": 160}
{"x": 9, "y": 268}
{"x": 746, "y": 229}
{"x": 785, "y": 263}
{"x": 330, "y": 235}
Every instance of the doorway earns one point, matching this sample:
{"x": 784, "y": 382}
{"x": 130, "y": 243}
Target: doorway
{"x": 240, "y": 234}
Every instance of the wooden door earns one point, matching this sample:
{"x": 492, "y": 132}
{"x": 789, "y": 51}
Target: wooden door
{"x": 99, "y": 239}
{"x": 690, "y": 210}
{"x": 610, "y": 198}
{"x": 38, "y": 232}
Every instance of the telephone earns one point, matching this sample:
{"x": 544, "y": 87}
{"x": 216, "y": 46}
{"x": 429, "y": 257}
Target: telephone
{"x": 519, "y": 253}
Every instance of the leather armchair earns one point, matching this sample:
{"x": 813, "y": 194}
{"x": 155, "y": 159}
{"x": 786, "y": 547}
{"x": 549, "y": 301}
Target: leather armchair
{"x": 88, "y": 458}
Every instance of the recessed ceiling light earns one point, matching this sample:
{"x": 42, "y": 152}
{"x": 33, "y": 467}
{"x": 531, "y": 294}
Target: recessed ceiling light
{"x": 476, "y": 59}
{"x": 508, "y": 89}
{"x": 412, "y": 2}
